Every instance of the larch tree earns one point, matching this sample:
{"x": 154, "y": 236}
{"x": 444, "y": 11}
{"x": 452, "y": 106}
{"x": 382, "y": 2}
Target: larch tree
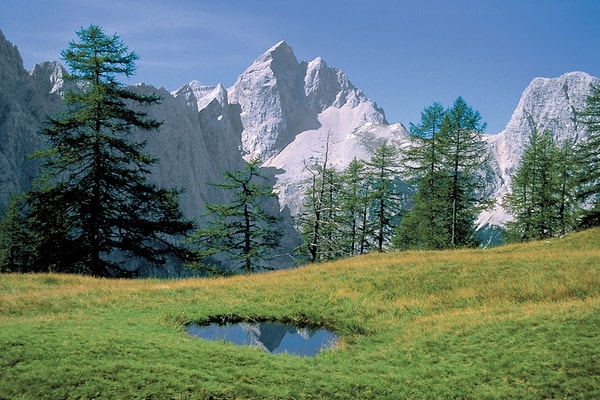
{"x": 355, "y": 199}
{"x": 569, "y": 209}
{"x": 319, "y": 222}
{"x": 93, "y": 206}
{"x": 383, "y": 169}
{"x": 535, "y": 196}
{"x": 444, "y": 163}
{"x": 423, "y": 226}
{"x": 239, "y": 233}
{"x": 14, "y": 237}
{"x": 425, "y": 154}
{"x": 465, "y": 154}
{"x": 589, "y": 160}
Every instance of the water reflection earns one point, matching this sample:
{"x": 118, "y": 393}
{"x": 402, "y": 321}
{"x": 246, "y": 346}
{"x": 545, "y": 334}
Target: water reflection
{"x": 271, "y": 337}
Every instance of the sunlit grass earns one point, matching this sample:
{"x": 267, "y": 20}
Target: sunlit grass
{"x": 520, "y": 321}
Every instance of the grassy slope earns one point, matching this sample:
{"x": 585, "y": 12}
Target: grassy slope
{"x": 511, "y": 322}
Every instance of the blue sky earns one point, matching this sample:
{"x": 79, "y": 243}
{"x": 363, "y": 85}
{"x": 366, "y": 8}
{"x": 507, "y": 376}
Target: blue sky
{"x": 405, "y": 55}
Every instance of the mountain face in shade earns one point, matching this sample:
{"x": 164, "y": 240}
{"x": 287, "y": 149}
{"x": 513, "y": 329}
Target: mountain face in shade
{"x": 25, "y": 101}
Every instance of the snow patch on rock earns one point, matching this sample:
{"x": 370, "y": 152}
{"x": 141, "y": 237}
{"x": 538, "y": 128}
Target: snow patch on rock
{"x": 345, "y": 133}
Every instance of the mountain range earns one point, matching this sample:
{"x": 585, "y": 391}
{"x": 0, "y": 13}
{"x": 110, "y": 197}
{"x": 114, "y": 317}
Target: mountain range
{"x": 281, "y": 110}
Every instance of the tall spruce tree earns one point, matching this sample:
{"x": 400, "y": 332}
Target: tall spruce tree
{"x": 93, "y": 205}
{"x": 589, "y": 160}
{"x": 425, "y": 155}
{"x": 426, "y": 224}
{"x": 569, "y": 209}
{"x": 240, "y": 232}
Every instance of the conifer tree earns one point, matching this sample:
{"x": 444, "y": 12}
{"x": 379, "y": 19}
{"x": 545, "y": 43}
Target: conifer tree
{"x": 14, "y": 238}
{"x": 94, "y": 205}
{"x": 310, "y": 219}
{"x": 320, "y": 222}
{"x": 355, "y": 201}
{"x": 444, "y": 162}
{"x": 332, "y": 222}
{"x": 320, "y": 218}
{"x": 589, "y": 160}
{"x": 569, "y": 209}
{"x": 240, "y": 232}
{"x": 465, "y": 153}
{"x": 383, "y": 171}
{"x": 535, "y": 196}
{"x": 423, "y": 226}
{"x": 425, "y": 155}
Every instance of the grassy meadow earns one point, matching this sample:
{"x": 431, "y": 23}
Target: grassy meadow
{"x": 519, "y": 321}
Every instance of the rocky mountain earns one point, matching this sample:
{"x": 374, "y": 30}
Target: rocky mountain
{"x": 279, "y": 98}
{"x": 25, "y": 101}
{"x": 279, "y": 109}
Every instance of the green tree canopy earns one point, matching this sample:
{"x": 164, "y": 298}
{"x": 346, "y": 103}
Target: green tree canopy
{"x": 423, "y": 226}
{"x": 425, "y": 155}
{"x": 13, "y": 234}
{"x": 352, "y": 211}
{"x": 465, "y": 154}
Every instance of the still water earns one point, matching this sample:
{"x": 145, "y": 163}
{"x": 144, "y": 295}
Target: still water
{"x": 272, "y": 337}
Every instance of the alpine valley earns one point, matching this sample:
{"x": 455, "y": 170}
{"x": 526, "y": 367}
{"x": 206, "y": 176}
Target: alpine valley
{"x": 279, "y": 109}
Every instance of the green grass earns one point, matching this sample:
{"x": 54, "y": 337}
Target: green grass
{"x": 520, "y": 321}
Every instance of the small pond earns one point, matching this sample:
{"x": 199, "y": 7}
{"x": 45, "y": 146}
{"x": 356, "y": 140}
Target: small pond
{"x": 272, "y": 337}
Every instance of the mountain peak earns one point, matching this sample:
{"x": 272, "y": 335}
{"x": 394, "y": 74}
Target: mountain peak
{"x": 281, "y": 48}
{"x": 576, "y": 79}
{"x": 282, "y": 44}
{"x": 200, "y": 96}
{"x": 50, "y": 76}
{"x": 11, "y": 63}
{"x": 546, "y": 101}
{"x": 280, "y": 97}
{"x": 280, "y": 55}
